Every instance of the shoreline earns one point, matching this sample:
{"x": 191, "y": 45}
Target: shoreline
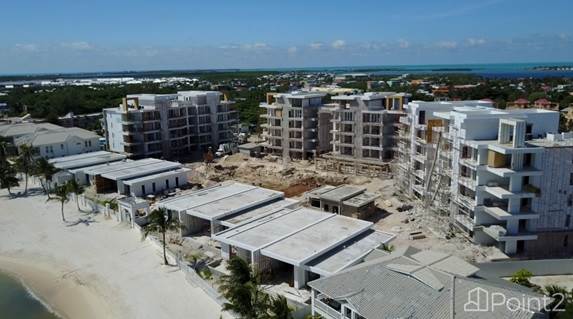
{"x": 64, "y": 297}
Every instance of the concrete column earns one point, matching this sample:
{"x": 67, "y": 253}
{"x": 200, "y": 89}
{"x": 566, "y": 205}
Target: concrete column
{"x": 510, "y": 247}
{"x": 515, "y": 183}
{"x": 225, "y": 251}
{"x": 512, "y": 226}
{"x": 300, "y": 277}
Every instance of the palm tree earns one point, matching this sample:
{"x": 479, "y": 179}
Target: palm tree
{"x": 45, "y": 171}
{"x": 61, "y": 193}
{"x": 77, "y": 189}
{"x": 279, "y": 308}
{"x": 160, "y": 222}
{"x": 8, "y": 177}
{"x": 25, "y": 163}
{"x": 563, "y": 299}
{"x": 241, "y": 288}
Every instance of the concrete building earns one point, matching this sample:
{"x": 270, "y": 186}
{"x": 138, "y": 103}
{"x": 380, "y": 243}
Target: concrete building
{"x": 85, "y": 121}
{"x": 294, "y": 128}
{"x": 345, "y": 200}
{"x": 410, "y": 283}
{"x": 305, "y": 242}
{"x": 169, "y": 125}
{"x": 272, "y": 232}
{"x": 364, "y": 126}
{"x": 497, "y": 173}
{"x": 111, "y": 172}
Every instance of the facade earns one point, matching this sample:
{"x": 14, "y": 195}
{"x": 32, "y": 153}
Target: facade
{"x": 364, "y": 126}
{"x": 410, "y": 283}
{"x": 488, "y": 169}
{"x": 51, "y": 140}
{"x": 294, "y": 128}
{"x": 345, "y": 200}
{"x": 169, "y": 125}
{"x": 80, "y": 120}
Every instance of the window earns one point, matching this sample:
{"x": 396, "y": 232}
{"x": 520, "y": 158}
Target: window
{"x": 153, "y": 187}
{"x": 62, "y": 146}
{"x": 566, "y": 241}
{"x": 143, "y": 189}
{"x": 166, "y": 183}
{"x": 568, "y": 221}
{"x": 176, "y": 181}
{"x": 571, "y": 179}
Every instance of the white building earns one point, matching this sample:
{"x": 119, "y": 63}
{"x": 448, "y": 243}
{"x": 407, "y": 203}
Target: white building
{"x": 294, "y": 128}
{"x": 488, "y": 168}
{"x": 169, "y": 125}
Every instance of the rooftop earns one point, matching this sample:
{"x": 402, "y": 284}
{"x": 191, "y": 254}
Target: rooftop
{"x": 338, "y": 193}
{"x": 410, "y": 283}
{"x": 221, "y": 200}
{"x": 86, "y": 159}
{"x": 244, "y": 217}
{"x": 156, "y": 176}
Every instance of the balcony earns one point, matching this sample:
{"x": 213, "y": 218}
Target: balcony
{"x": 326, "y": 311}
{"x": 466, "y": 201}
{"x": 502, "y": 192}
{"x": 468, "y": 182}
{"x": 499, "y": 233}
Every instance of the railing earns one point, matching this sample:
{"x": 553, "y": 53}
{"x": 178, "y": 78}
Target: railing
{"x": 327, "y": 310}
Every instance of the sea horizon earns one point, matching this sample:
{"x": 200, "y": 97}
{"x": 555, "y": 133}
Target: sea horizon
{"x": 383, "y": 69}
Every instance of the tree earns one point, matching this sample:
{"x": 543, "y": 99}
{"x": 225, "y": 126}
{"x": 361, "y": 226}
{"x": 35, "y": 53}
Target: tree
{"x": 25, "y": 163}
{"x": 8, "y": 177}
{"x": 279, "y": 308}
{"x": 61, "y": 193}
{"x": 521, "y": 277}
{"x": 159, "y": 221}
{"x": 45, "y": 171}
{"x": 241, "y": 289}
{"x": 77, "y": 189}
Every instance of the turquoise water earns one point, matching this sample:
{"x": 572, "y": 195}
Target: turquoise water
{"x": 16, "y": 302}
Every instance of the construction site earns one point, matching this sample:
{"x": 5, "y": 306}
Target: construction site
{"x": 418, "y": 223}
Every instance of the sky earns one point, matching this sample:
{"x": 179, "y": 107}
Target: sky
{"x": 120, "y": 35}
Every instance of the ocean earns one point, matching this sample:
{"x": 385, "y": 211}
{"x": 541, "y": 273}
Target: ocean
{"x": 17, "y": 302}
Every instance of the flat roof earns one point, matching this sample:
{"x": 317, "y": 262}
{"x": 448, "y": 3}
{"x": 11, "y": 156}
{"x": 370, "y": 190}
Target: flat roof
{"x": 139, "y": 168}
{"x": 86, "y": 160}
{"x": 244, "y": 217}
{"x": 342, "y": 193}
{"x": 156, "y": 176}
{"x": 348, "y": 253}
{"x": 361, "y": 199}
{"x": 222, "y": 200}
{"x": 272, "y": 228}
{"x": 316, "y": 239}
{"x": 106, "y": 168}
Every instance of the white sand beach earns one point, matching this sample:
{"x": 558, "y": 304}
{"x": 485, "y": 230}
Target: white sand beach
{"x": 100, "y": 269}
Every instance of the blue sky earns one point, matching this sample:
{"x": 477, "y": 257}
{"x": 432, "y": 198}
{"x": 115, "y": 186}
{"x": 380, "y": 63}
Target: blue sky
{"x": 104, "y": 35}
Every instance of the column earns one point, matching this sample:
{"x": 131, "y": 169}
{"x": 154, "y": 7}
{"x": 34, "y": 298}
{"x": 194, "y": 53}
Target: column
{"x": 300, "y": 277}
{"x": 225, "y": 251}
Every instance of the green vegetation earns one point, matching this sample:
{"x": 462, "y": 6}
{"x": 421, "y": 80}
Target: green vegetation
{"x": 159, "y": 221}
{"x": 44, "y": 171}
{"x": 61, "y": 193}
{"x": 245, "y": 298}
{"x": 25, "y": 163}
{"x": 77, "y": 189}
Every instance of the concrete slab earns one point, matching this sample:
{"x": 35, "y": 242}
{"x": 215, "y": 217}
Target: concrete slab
{"x": 349, "y": 253}
{"x": 245, "y": 217}
{"x": 316, "y": 239}
{"x": 272, "y": 228}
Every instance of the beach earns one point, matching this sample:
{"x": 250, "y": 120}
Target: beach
{"x": 92, "y": 269}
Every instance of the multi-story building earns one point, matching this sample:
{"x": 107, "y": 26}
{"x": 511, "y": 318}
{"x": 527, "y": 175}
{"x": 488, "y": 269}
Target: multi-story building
{"x": 500, "y": 173}
{"x": 364, "y": 126}
{"x": 294, "y": 128}
{"x": 169, "y": 125}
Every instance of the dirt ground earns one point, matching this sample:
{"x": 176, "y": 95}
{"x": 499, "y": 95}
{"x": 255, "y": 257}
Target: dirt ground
{"x": 296, "y": 177}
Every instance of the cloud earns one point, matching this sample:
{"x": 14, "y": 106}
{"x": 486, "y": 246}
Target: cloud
{"x": 80, "y": 45}
{"x": 292, "y": 50}
{"x": 338, "y": 44}
{"x": 473, "y": 42}
{"x": 27, "y": 47}
{"x": 403, "y": 44}
{"x": 447, "y": 44}
{"x": 316, "y": 45}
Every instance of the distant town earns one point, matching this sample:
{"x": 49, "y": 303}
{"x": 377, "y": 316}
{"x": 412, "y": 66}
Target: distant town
{"x": 330, "y": 194}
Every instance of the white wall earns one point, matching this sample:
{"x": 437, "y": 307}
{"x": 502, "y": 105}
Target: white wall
{"x": 160, "y": 186}
{"x": 73, "y": 145}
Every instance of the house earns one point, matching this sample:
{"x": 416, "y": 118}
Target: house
{"x": 520, "y": 103}
{"x": 62, "y": 142}
{"x": 412, "y": 283}
{"x": 345, "y": 200}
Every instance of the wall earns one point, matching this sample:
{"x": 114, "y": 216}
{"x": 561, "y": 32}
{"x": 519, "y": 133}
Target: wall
{"x": 160, "y": 185}
{"x": 114, "y": 131}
